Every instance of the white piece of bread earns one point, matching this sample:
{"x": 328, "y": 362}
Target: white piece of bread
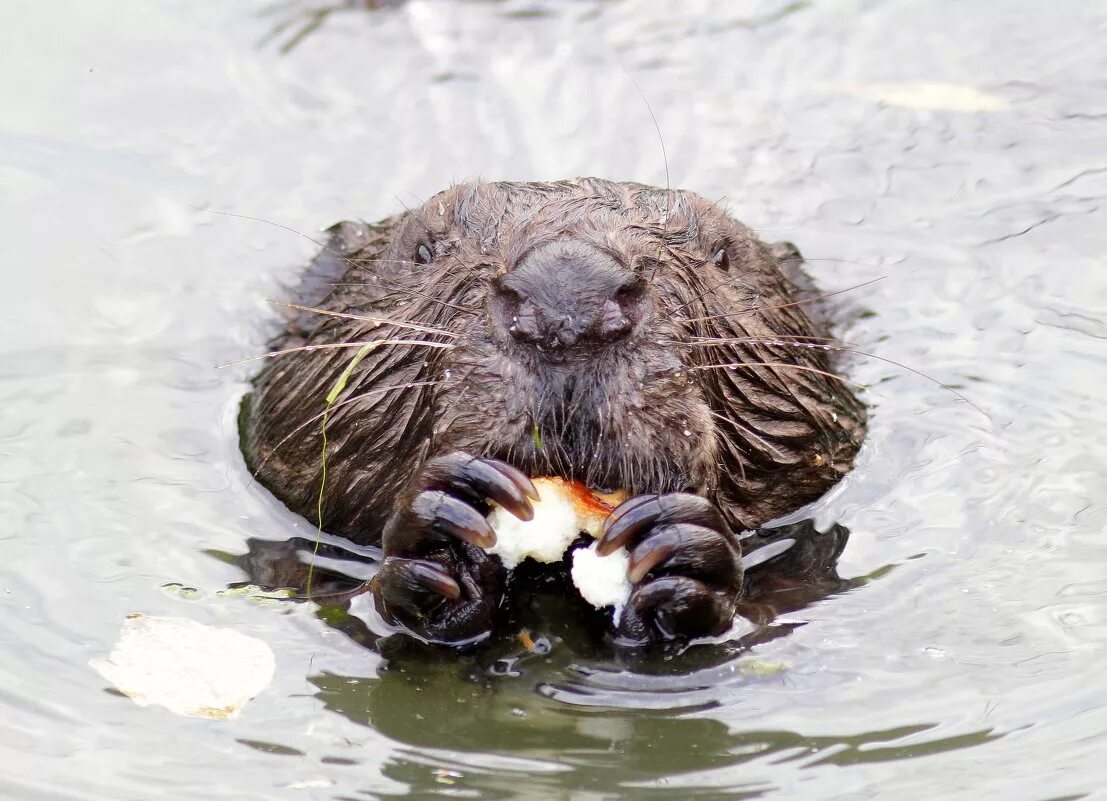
{"x": 601, "y": 580}
{"x": 566, "y": 509}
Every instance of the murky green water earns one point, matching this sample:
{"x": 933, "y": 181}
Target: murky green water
{"x": 969, "y": 666}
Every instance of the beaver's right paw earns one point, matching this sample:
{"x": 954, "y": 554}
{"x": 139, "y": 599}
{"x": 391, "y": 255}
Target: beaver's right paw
{"x": 685, "y": 567}
{"x": 436, "y": 580}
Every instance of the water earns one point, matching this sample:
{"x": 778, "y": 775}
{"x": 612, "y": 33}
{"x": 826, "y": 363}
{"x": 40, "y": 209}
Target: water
{"x": 968, "y": 664}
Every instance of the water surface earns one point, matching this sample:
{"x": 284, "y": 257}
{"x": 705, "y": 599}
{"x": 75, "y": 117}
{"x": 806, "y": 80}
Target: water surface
{"x": 958, "y": 151}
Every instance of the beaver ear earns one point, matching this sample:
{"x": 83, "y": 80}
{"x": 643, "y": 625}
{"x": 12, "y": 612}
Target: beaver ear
{"x": 785, "y": 252}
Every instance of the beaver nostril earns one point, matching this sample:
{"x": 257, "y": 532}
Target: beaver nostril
{"x": 631, "y": 291}
{"x": 531, "y": 322}
{"x": 565, "y": 296}
{"x": 505, "y": 292}
{"x": 614, "y": 324}
{"x": 525, "y": 324}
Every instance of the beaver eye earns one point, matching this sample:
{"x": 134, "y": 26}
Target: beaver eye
{"x": 423, "y": 255}
{"x": 721, "y": 259}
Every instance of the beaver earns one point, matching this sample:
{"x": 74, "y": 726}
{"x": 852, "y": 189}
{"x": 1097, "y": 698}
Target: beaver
{"x": 616, "y": 334}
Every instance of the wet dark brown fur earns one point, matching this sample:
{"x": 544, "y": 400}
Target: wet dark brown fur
{"x": 646, "y": 414}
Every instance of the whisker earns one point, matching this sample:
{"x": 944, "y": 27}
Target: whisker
{"x": 667, "y": 213}
{"x": 273, "y": 223}
{"x": 368, "y": 318}
{"x": 786, "y": 305}
{"x": 843, "y": 261}
{"x": 322, "y": 246}
{"x": 773, "y": 340}
{"x": 847, "y": 348}
{"x": 737, "y": 279}
{"x": 447, "y": 304}
{"x": 660, "y": 138}
{"x": 333, "y": 345}
{"x": 333, "y": 406}
{"x": 921, "y": 374}
{"x": 805, "y": 368}
{"x": 331, "y": 251}
{"x": 738, "y": 424}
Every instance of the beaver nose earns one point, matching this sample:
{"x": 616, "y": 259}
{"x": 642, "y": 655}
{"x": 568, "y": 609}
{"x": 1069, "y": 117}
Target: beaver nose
{"x": 567, "y": 293}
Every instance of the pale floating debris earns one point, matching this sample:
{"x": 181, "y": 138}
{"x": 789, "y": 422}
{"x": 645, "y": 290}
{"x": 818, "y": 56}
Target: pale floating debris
{"x": 929, "y": 96}
{"x": 177, "y": 590}
{"x": 760, "y": 669}
{"x": 187, "y": 667}
{"x": 261, "y": 596}
{"x": 602, "y": 580}
{"x": 310, "y": 784}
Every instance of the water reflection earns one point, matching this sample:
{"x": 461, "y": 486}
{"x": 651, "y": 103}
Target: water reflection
{"x": 117, "y": 436}
{"x": 789, "y": 567}
{"x": 294, "y": 20}
{"x": 550, "y": 706}
{"x": 446, "y": 722}
{"x": 291, "y": 22}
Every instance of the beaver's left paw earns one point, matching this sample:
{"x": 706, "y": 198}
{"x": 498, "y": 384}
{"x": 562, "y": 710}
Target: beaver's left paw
{"x": 685, "y": 566}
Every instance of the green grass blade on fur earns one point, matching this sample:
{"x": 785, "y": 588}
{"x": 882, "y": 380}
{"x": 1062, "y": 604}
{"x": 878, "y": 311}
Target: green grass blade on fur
{"x": 332, "y": 396}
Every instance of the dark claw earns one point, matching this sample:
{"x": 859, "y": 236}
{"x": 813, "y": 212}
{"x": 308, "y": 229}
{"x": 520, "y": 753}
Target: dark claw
{"x": 450, "y": 599}
{"x": 495, "y": 483}
{"x": 685, "y": 565}
{"x": 436, "y": 581}
{"x": 454, "y": 517}
{"x": 688, "y": 549}
{"x": 675, "y": 607}
{"x": 404, "y": 582}
{"x": 517, "y": 478}
{"x": 766, "y": 552}
{"x": 626, "y": 506}
{"x": 657, "y": 510}
{"x": 476, "y": 480}
{"x": 627, "y": 523}
{"x": 651, "y": 552}
{"x": 656, "y": 596}
{"x": 434, "y": 578}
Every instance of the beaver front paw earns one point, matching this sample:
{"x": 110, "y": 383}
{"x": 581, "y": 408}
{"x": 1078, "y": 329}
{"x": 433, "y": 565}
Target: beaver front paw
{"x": 436, "y": 580}
{"x": 685, "y": 567}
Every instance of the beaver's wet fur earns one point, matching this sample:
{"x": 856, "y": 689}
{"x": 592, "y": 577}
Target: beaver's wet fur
{"x": 622, "y": 335}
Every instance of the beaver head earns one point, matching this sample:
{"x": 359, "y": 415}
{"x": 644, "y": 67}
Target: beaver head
{"x": 626, "y": 336}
